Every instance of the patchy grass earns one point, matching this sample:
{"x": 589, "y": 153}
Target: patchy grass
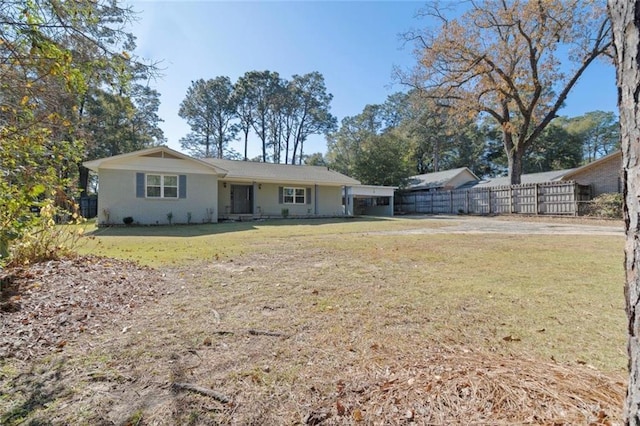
{"x": 357, "y": 322}
{"x": 180, "y": 244}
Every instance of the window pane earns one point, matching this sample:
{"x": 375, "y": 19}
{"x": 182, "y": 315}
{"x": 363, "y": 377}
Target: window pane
{"x": 170, "y": 192}
{"x": 171, "y": 181}
{"x": 153, "y": 191}
{"x": 153, "y": 180}
{"x": 299, "y": 192}
{"x": 288, "y": 192}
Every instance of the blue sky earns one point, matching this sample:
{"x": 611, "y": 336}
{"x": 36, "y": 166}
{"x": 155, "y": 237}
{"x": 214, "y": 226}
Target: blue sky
{"x": 354, "y": 44}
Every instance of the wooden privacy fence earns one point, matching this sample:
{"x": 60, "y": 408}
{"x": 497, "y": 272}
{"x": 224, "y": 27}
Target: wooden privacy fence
{"x": 550, "y": 198}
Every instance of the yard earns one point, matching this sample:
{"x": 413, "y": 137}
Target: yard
{"x": 440, "y": 320}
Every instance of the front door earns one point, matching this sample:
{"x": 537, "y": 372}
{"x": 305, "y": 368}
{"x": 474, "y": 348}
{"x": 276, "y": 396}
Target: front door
{"x": 241, "y": 199}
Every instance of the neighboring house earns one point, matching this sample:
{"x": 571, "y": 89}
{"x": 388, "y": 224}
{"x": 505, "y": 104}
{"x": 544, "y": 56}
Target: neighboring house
{"x": 603, "y": 175}
{"x": 542, "y": 177}
{"x": 154, "y": 184}
{"x": 443, "y": 180}
{"x": 554, "y": 192}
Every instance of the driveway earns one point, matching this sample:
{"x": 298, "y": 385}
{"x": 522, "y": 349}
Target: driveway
{"x": 516, "y": 225}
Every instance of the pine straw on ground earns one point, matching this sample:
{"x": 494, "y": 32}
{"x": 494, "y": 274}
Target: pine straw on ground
{"x": 459, "y": 386}
{"x": 43, "y": 306}
{"x": 431, "y": 384}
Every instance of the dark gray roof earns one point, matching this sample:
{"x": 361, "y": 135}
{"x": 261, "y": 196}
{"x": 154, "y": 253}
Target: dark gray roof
{"x": 437, "y": 179}
{"x": 284, "y": 173}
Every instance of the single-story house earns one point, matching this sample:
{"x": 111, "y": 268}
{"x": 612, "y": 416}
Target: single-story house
{"x": 160, "y": 186}
{"x": 601, "y": 176}
{"x": 554, "y": 192}
{"x": 443, "y": 180}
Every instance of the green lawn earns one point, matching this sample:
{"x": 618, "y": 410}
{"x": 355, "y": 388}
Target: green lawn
{"x": 557, "y": 297}
{"x": 371, "y": 321}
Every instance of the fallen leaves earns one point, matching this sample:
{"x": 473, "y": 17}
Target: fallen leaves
{"x": 43, "y": 306}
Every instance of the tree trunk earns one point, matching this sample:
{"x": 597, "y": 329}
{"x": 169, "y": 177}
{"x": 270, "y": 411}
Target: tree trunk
{"x": 625, "y": 18}
{"x": 246, "y": 143}
{"x": 83, "y": 179}
{"x": 514, "y": 157}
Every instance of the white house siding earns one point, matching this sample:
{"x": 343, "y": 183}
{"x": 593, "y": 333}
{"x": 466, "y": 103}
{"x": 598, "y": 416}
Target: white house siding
{"x": 117, "y": 199}
{"x": 320, "y": 201}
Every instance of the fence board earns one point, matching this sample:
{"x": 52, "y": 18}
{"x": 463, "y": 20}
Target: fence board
{"x": 551, "y": 198}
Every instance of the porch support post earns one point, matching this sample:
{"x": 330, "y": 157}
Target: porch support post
{"x": 254, "y": 196}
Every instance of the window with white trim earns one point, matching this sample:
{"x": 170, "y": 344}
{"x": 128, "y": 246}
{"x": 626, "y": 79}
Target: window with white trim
{"x": 162, "y": 186}
{"x": 294, "y": 195}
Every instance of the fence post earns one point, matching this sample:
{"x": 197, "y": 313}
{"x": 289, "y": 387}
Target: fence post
{"x": 450, "y": 202}
{"x": 511, "y": 199}
{"x": 467, "y": 201}
{"x": 537, "y": 188}
{"x": 431, "y": 204}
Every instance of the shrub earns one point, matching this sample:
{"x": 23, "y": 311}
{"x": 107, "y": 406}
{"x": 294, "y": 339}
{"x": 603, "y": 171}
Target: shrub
{"x": 285, "y": 213}
{"x": 127, "y": 220}
{"x": 46, "y": 240}
{"x": 606, "y": 206}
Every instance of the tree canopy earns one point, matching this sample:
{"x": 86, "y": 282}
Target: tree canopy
{"x": 513, "y": 61}
{"x": 53, "y": 55}
{"x": 426, "y": 137}
{"x": 281, "y": 113}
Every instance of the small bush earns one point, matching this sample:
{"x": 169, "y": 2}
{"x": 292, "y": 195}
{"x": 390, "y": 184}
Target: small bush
{"x": 47, "y": 240}
{"x": 127, "y": 220}
{"x": 606, "y": 206}
{"x": 285, "y": 213}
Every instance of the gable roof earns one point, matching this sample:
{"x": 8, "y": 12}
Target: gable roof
{"x": 280, "y": 173}
{"x": 154, "y": 152}
{"x": 594, "y": 163}
{"x": 440, "y": 179}
{"x": 542, "y": 177}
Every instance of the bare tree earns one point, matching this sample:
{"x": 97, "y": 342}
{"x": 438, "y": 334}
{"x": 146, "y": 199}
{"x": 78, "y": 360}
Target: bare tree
{"x": 625, "y": 19}
{"x": 502, "y": 59}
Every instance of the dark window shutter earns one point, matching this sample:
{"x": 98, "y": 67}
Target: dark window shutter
{"x": 182, "y": 186}
{"x": 140, "y": 185}
{"x": 308, "y": 195}
{"x": 280, "y": 195}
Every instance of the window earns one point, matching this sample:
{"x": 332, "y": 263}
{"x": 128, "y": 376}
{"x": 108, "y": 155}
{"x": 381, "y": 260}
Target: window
{"x": 294, "y": 195}
{"x": 162, "y": 186}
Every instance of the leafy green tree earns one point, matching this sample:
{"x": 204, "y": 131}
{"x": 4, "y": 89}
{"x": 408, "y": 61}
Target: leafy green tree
{"x": 315, "y": 159}
{"x": 52, "y": 51}
{"x": 345, "y": 145}
{"x": 310, "y": 113}
{"x": 557, "y": 149}
{"x": 209, "y": 107}
{"x": 599, "y": 132}
{"x": 383, "y": 160}
{"x": 502, "y": 59}
{"x": 260, "y": 87}
{"x": 244, "y": 109}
